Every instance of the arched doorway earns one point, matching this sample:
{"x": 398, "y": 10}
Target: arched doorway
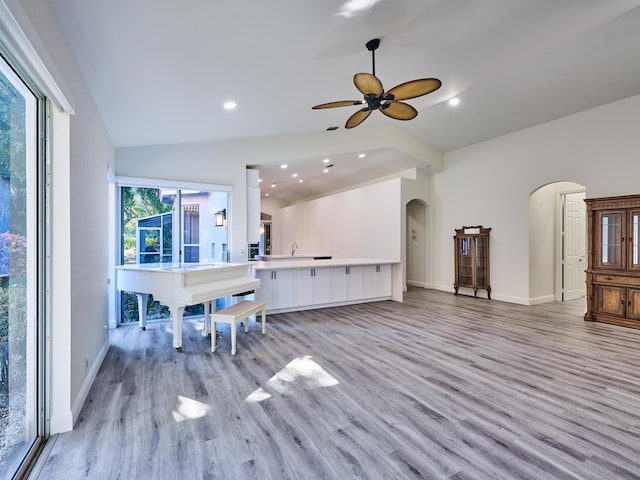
{"x": 417, "y": 244}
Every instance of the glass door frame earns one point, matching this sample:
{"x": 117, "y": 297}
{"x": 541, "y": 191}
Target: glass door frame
{"x": 38, "y": 255}
{"x": 633, "y": 240}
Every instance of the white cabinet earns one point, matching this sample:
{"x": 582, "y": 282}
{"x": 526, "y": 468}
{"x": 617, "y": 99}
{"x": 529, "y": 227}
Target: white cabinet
{"x": 276, "y": 288}
{"x": 354, "y": 282}
{"x": 322, "y": 285}
{"x": 312, "y": 286}
{"x": 346, "y": 283}
{"x": 339, "y": 284}
{"x": 384, "y": 281}
{"x": 376, "y": 281}
{"x": 303, "y": 286}
{"x": 265, "y": 292}
{"x": 300, "y": 288}
{"x": 370, "y": 281}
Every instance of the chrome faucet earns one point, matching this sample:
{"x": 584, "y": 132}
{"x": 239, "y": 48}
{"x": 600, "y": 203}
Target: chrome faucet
{"x": 293, "y": 248}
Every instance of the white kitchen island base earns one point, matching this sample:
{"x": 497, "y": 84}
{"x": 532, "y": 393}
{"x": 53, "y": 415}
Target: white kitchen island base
{"x": 289, "y": 286}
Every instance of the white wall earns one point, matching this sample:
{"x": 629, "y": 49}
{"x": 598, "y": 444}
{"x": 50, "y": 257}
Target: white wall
{"x": 272, "y": 207}
{"x": 361, "y": 223}
{"x": 82, "y": 154}
{"x": 489, "y": 184}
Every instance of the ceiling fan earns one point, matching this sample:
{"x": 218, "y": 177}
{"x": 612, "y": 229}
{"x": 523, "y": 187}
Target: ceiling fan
{"x": 375, "y": 98}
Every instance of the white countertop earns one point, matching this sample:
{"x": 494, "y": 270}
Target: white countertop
{"x": 297, "y": 256}
{"x": 304, "y": 263}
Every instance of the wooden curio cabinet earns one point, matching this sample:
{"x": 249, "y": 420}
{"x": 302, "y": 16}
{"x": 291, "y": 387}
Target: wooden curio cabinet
{"x": 613, "y": 268}
{"x": 472, "y": 259}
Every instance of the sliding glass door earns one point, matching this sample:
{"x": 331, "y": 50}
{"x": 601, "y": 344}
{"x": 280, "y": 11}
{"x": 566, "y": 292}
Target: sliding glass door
{"x": 21, "y": 293}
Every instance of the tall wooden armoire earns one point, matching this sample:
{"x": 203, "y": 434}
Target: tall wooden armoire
{"x": 613, "y": 260}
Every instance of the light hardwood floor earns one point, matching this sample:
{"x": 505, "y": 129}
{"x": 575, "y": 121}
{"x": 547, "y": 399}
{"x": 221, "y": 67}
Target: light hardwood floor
{"x": 437, "y": 387}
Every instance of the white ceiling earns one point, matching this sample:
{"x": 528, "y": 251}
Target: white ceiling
{"x": 160, "y": 70}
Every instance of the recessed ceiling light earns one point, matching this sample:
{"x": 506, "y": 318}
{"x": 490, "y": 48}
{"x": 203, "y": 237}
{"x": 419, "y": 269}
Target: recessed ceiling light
{"x": 326, "y": 160}
{"x": 300, "y": 181}
{"x": 454, "y": 101}
{"x": 230, "y": 105}
{"x": 362, "y": 155}
{"x": 273, "y": 185}
{"x": 259, "y": 180}
{"x": 284, "y": 165}
{"x": 325, "y": 170}
{"x": 294, "y": 175}
{"x": 266, "y": 194}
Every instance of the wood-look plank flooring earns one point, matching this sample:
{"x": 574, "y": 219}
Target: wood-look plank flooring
{"x": 437, "y": 387}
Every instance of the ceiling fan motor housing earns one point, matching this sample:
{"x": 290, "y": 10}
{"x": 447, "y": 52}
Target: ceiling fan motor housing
{"x": 373, "y": 44}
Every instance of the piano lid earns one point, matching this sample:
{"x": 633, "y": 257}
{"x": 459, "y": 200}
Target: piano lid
{"x": 179, "y": 267}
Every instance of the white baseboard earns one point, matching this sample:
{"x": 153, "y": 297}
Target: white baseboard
{"x": 483, "y": 294}
{"x": 88, "y": 381}
{"x": 61, "y": 423}
{"x": 443, "y": 288}
{"x": 414, "y": 283}
{"x": 543, "y": 299}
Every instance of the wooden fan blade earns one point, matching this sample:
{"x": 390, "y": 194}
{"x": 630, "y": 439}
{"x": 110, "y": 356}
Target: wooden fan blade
{"x": 342, "y": 103}
{"x": 399, "y": 110}
{"x": 367, "y": 83}
{"x": 414, "y": 88}
{"x": 357, "y": 118}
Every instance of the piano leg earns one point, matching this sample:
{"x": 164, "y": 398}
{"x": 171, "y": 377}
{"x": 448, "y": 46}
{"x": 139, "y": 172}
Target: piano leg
{"x": 177, "y": 312}
{"x": 209, "y": 308}
{"x": 142, "y": 310}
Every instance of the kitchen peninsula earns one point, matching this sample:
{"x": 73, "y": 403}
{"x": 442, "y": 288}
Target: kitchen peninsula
{"x": 303, "y": 284}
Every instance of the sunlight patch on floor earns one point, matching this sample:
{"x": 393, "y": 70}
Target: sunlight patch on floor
{"x": 189, "y": 409}
{"x": 301, "y": 372}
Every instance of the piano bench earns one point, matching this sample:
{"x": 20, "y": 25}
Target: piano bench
{"x": 237, "y": 313}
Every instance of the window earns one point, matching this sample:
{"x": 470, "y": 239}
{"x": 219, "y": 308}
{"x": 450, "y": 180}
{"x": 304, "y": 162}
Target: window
{"x": 152, "y": 232}
{"x": 191, "y": 222}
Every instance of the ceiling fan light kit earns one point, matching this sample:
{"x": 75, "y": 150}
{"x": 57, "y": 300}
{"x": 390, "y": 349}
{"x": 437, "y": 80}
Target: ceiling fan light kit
{"x": 375, "y": 98}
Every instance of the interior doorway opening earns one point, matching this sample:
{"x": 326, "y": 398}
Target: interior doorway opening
{"x": 417, "y": 244}
{"x": 557, "y": 242}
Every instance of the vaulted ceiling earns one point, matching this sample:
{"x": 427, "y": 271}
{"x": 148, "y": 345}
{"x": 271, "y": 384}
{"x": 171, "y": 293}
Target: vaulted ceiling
{"x": 160, "y": 71}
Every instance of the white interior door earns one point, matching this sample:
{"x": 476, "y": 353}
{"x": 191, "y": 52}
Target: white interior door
{"x": 574, "y": 246}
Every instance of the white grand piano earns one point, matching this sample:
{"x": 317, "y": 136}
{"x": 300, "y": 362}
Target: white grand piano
{"x": 178, "y": 285}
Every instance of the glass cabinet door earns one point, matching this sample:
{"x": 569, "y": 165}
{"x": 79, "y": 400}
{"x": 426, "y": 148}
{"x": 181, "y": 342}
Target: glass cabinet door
{"x": 634, "y": 236}
{"x": 611, "y": 251}
{"x": 465, "y": 261}
{"x": 481, "y": 261}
